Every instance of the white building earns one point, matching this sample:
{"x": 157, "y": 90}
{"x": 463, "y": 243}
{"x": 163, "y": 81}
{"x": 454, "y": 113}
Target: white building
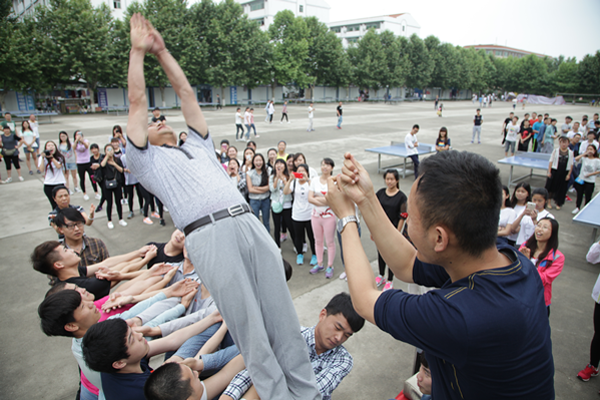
{"x": 350, "y": 31}
{"x": 23, "y": 8}
{"x": 263, "y": 11}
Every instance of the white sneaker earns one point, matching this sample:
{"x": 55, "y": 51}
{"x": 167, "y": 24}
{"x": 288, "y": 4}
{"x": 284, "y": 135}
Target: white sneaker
{"x": 575, "y": 211}
{"x": 77, "y": 190}
{"x": 86, "y": 197}
{"x": 70, "y": 192}
{"x": 122, "y": 223}
{"x": 98, "y": 195}
{"x": 572, "y": 190}
{"x": 110, "y": 225}
{"x": 124, "y": 202}
{"x": 8, "y": 180}
{"x": 21, "y": 179}
{"x": 343, "y": 275}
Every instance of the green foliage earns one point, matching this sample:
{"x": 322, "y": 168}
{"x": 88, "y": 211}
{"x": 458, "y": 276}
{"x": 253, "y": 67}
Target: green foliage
{"x": 76, "y": 42}
{"x": 326, "y": 62}
{"x": 216, "y": 44}
{"x": 289, "y": 37}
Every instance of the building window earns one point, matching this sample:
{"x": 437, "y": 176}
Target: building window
{"x": 498, "y": 53}
{"x": 375, "y": 25}
{"x": 117, "y": 4}
{"x": 352, "y": 28}
{"x": 260, "y": 21}
{"x": 257, "y": 5}
{"x": 352, "y": 40}
{"x": 301, "y": 8}
{"x": 336, "y": 29}
{"x": 505, "y": 54}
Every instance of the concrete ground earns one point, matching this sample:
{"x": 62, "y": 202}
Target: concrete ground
{"x": 39, "y": 367}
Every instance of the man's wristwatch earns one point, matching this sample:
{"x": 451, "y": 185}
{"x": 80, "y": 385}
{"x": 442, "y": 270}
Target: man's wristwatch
{"x": 341, "y": 224}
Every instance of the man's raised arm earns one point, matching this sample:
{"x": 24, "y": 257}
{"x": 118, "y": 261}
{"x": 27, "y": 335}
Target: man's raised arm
{"x": 141, "y": 42}
{"x": 189, "y": 104}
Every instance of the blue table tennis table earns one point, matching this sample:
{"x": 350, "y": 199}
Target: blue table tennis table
{"x": 526, "y": 160}
{"x": 397, "y": 149}
{"x": 590, "y": 215}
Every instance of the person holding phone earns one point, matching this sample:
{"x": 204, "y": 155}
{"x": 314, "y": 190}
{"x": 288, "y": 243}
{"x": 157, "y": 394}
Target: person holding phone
{"x": 84, "y": 164}
{"x": 535, "y": 210}
{"x": 301, "y": 212}
{"x": 281, "y": 204}
{"x": 323, "y": 219}
{"x": 590, "y": 167}
{"x": 112, "y": 179}
{"x": 52, "y": 163}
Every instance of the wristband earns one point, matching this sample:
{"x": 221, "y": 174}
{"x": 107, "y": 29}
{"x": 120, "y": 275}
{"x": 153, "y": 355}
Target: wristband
{"x": 90, "y": 219}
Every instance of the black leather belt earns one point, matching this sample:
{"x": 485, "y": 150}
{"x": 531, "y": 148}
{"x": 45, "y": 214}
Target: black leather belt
{"x": 232, "y": 211}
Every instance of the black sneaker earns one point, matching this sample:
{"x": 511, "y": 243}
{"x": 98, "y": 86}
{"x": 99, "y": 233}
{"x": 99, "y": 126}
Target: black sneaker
{"x": 99, "y": 208}
{"x": 162, "y": 222}
{"x": 130, "y": 215}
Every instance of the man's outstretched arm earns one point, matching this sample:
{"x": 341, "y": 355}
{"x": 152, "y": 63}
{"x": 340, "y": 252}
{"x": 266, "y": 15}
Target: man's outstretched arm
{"x": 141, "y": 42}
{"x": 189, "y": 105}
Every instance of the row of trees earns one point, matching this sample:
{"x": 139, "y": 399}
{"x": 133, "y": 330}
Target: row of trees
{"x": 216, "y": 44}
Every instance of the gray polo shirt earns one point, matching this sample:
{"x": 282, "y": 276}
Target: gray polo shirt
{"x": 189, "y": 179}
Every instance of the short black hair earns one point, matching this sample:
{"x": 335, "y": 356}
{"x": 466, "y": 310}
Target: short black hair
{"x": 105, "y": 343}
{"x": 395, "y": 174}
{"x": 423, "y": 360}
{"x": 542, "y": 192}
{"x": 473, "y": 213}
{"x": 416, "y": 126}
{"x": 225, "y": 141}
{"x": 57, "y": 310}
{"x": 44, "y": 256}
{"x": 479, "y": 109}
{"x": 56, "y": 189}
{"x": 94, "y": 146}
{"x": 251, "y": 142}
{"x": 165, "y": 383}
{"x": 72, "y": 214}
{"x": 156, "y": 109}
{"x": 329, "y": 162}
{"x": 568, "y": 117}
{"x": 6, "y": 127}
{"x": 342, "y": 303}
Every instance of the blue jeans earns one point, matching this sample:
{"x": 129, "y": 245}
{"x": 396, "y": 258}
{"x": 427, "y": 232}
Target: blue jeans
{"x": 191, "y": 346}
{"x": 85, "y": 394}
{"x": 264, "y": 206}
{"x": 217, "y": 360}
{"x": 340, "y": 119}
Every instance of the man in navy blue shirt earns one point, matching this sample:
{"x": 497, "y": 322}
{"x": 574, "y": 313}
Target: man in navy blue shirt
{"x": 485, "y": 330}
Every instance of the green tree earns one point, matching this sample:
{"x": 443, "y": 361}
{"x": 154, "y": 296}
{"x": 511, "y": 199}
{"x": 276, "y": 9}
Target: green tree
{"x": 565, "y": 78}
{"x": 76, "y": 43}
{"x": 395, "y": 60}
{"x": 369, "y": 62}
{"x": 588, "y": 74}
{"x": 289, "y": 37}
{"x": 326, "y": 62}
{"x": 20, "y": 62}
{"x": 169, "y": 17}
{"x": 421, "y": 65}
{"x": 236, "y": 48}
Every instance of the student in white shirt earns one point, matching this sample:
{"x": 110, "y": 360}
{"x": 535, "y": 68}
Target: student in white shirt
{"x": 301, "y": 212}
{"x": 507, "y": 217}
{"x": 525, "y": 223}
{"x": 512, "y": 135}
{"x": 411, "y": 143}
{"x": 311, "y": 109}
{"x": 238, "y": 124}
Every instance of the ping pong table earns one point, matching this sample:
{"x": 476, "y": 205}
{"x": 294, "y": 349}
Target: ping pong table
{"x": 590, "y": 215}
{"x": 526, "y": 160}
{"x": 397, "y": 149}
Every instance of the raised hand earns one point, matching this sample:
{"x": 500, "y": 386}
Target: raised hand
{"x": 183, "y": 288}
{"x": 355, "y": 180}
{"x": 338, "y": 200}
{"x": 151, "y": 253}
{"x": 142, "y": 38}
{"x": 193, "y": 363}
{"x": 188, "y": 298}
{"x": 159, "y": 44}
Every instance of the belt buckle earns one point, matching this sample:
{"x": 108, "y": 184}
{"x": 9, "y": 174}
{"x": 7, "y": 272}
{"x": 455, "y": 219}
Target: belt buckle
{"x": 236, "y": 210}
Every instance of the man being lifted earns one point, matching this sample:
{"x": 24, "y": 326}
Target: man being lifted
{"x": 244, "y": 273}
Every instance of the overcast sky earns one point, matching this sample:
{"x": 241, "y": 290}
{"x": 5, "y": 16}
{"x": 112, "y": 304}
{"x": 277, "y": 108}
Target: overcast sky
{"x": 552, "y": 27}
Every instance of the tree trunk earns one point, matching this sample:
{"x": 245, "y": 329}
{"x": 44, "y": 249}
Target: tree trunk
{"x": 273, "y": 86}
{"x": 3, "y": 100}
{"x": 91, "y": 90}
{"x": 162, "y": 95}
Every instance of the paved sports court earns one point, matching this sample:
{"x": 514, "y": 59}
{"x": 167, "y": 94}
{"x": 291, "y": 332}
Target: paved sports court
{"x": 37, "y": 367}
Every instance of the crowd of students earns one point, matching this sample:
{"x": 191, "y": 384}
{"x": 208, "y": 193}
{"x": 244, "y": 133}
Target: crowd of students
{"x": 164, "y": 308}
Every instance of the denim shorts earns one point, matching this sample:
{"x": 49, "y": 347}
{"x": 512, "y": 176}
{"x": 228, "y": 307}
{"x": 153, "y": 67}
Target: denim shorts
{"x": 71, "y": 166}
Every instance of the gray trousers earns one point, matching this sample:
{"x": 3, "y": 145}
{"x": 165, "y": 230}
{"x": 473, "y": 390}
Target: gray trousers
{"x": 241, "y": 266}
{"x": 476, "y": 130}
